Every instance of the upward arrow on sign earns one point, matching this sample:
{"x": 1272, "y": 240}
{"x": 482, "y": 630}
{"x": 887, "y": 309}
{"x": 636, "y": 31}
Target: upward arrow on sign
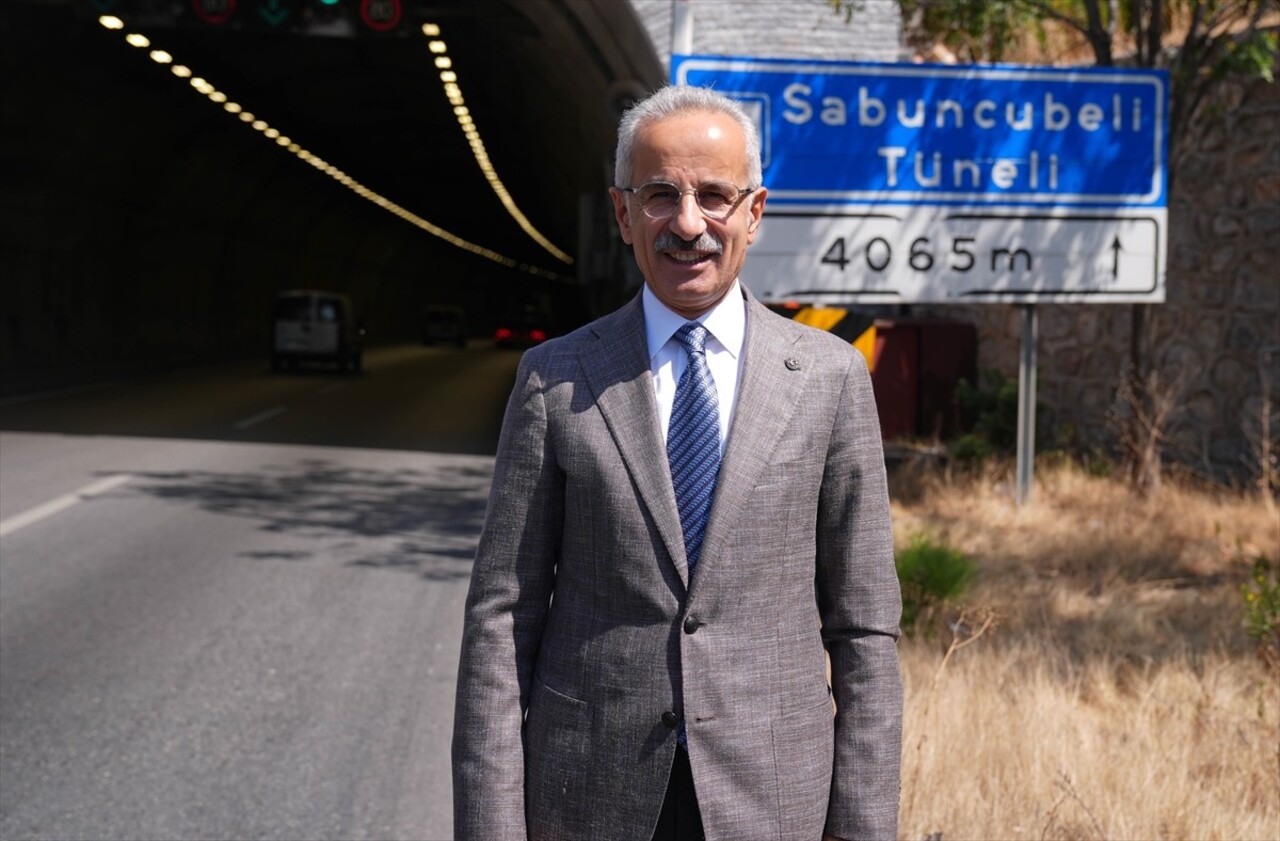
{"x": 272, "y": 12}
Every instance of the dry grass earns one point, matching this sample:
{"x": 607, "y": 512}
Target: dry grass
{"x": 1116, "y": 696}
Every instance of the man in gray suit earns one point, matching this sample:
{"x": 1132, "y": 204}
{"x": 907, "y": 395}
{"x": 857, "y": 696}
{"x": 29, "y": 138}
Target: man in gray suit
{"x": 669, "y": 558}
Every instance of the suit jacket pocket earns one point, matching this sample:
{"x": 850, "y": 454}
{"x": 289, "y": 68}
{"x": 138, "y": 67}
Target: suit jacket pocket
{"x": 799, "y": 468}
{"x": 556, "y": 736}
{"x": 803, "y": 751}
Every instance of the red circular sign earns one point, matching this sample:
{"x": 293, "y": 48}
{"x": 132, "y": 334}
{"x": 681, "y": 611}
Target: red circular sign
{"x": 216, "y": 12}
{"x": 382, "y": 15}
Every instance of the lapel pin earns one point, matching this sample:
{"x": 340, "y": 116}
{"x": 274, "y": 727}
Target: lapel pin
{"x": 792, "y": 364}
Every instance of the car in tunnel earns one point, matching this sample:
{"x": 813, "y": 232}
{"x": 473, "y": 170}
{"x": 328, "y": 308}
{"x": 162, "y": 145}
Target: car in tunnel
{"x": 521, "y": 327}
{"x": 445, "y": 325}
{"x": 311, "y": 326}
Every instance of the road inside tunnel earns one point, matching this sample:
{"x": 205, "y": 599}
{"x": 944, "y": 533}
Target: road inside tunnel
{"x": 146, "y": 223}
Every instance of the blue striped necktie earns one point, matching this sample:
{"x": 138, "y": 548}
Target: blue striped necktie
{"x": 693, "y": 441}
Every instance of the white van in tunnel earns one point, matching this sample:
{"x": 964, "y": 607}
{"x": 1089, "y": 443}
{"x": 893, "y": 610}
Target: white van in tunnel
{"x": 310, "y": 325}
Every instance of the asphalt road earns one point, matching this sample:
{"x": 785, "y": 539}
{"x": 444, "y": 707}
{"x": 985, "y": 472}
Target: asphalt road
{"x": 230, "y": 602}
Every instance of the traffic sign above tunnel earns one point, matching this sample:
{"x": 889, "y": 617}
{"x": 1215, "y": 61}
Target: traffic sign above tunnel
{"x": 312, "y": 17}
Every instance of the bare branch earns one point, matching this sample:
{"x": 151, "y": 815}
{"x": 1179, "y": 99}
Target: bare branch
{"x": 1097, "y": 33}
{"x": 1155, "y": 33}
{"x": 1064, "y": 782}
{"x": 988, "y": 617}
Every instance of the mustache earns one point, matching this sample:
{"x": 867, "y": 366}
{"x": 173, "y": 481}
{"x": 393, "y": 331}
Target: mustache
{"x": 706, "y": 241}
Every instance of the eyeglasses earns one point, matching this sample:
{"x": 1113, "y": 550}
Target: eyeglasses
{"x": 660, "y": 200}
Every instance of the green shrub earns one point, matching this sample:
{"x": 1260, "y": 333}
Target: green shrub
{"x": 992, "y": 408}
{"x": 971, "y": 450}
{"x": 1097, "y": 465}
{"x": 931, "y": 574}
{"x": 1262, "y": 610}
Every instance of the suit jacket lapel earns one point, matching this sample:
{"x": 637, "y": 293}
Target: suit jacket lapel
{"x": 617, "y": 370}
{"x": 769, "y": 386}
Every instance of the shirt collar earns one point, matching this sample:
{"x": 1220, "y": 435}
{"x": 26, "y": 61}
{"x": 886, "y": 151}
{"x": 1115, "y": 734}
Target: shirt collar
{"x": 726, "y": 321}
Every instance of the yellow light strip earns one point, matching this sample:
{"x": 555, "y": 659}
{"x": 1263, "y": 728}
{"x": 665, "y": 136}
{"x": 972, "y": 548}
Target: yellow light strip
{"x": 449, "y": 78}
{"x": 205, "y": 88}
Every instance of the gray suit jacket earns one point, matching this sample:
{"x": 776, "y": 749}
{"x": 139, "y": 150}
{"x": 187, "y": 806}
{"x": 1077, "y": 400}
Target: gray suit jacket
{"x": 582, "y": 627}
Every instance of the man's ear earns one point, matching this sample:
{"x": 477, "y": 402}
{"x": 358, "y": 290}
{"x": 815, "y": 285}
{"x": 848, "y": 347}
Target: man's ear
{"x": 757, "y": 213}
{"x": 622, "y": 213}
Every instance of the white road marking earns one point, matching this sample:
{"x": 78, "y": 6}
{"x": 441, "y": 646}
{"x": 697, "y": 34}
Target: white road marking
{"x": 258, "y": 418}
{"x": 19, "y": 399}
{"x": 53, "y": 506}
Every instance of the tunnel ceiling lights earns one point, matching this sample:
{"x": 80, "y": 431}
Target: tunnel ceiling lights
{"x": 205, "y": 88}
{"x": 453, "y": 92}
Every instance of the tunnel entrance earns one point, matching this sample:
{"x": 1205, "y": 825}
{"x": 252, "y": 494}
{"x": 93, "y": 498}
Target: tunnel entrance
{"x": 149, "y": 219}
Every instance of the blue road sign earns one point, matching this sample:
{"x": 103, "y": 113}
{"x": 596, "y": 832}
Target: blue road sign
{"x": 911, "y": 182}
{"x": 851, "y": 131}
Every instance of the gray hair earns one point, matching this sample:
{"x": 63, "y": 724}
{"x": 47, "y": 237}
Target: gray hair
{"x": 671, "y": 100}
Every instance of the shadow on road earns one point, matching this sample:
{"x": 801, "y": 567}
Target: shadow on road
{"x": 421, "y": 521}
{"x": 413, "y": 398}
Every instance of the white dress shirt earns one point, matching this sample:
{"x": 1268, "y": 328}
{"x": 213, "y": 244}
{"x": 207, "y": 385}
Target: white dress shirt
{"x": 727, "y": 325}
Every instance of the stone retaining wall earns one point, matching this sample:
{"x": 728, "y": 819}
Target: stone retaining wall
{"x": 1216, "y": 339}
{"x": 791, "y": 29}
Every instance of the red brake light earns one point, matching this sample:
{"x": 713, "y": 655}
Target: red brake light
{"x": 502, "y": 333}
{"x": 538, "y": 335}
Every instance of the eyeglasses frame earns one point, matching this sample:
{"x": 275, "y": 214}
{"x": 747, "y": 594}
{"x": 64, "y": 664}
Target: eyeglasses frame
{"x": 743, "y": 192}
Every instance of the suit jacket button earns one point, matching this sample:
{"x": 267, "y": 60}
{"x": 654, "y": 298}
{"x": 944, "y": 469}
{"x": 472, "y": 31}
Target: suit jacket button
{"x": 691, "y": 624}
{"x": 670, "y": 719}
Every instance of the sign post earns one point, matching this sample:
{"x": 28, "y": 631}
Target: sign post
{"x": 911, "y": 183}
{"x": 1026, "y": 404}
